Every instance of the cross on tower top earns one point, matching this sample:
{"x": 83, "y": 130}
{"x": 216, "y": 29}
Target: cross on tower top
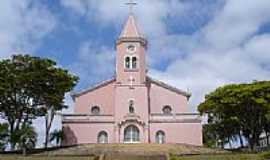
{"x": 131, "y": 4}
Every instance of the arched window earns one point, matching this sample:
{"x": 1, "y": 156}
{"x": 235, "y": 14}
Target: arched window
{"x": 131, "y": 134}
{"x": 102, "y": 137}
{"x": 131, "y": 106}
{"x": 134, "y": 62}
{"x": 127, "y": 62}
{"x": 160, "y": 137}
{"x": 167, "y": 109}
{"x": 95, "y": 110}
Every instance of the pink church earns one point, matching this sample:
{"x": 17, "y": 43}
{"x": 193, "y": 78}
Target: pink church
{"x": 131, "y": 107}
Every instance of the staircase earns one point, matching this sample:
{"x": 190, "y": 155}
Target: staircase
{"x": 132, "y": 157}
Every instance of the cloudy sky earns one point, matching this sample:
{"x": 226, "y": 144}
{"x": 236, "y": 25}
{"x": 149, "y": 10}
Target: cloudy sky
{"x": 195, "y": 45}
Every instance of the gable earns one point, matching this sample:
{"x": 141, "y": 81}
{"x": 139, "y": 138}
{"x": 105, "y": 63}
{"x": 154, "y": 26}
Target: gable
{"x": 168, "y": 87}
{"x": 92, "y": 88}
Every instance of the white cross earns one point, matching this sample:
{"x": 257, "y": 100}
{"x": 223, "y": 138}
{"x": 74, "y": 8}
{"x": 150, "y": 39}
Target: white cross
{"x": 131, "y": 80}
{"x": 131, "y": 4}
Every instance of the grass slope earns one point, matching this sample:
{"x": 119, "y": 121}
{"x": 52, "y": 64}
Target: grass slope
{"x": 135, "y": 152}
{"x": 197, "y": 157}
{"x": 133, "y": 149}
{"x": 219, "y": 157}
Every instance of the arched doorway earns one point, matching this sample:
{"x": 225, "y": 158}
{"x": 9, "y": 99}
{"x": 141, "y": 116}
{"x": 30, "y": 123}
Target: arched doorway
{"x": 160, "y": 137}
{"x": 131, "y": 134}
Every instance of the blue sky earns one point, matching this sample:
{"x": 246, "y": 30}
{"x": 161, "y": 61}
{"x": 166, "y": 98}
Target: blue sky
{"x": 196, "y": 45}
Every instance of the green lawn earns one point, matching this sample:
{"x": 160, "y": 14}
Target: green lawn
{"x": 219, "y": 157}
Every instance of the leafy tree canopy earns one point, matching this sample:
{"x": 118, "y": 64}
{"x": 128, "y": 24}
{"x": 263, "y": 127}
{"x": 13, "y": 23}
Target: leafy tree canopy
{"x": 29, "y": 87}
{"x": 241, "y": 109}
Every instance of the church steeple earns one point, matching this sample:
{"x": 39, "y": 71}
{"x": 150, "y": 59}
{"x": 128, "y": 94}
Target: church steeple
{"x": 130, "y": 29}
{"x": 131, "y": 32}
{"x": 130, "y": 58}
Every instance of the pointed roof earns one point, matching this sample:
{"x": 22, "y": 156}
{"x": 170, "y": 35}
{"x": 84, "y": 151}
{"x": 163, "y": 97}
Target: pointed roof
{"x": 130, "y": 29}
{"x": 131, "y": 33}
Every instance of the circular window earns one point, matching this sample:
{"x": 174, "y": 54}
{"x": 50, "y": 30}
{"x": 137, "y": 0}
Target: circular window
{"x": 95, "y": 110}
{"x": 131, "y": 48}
{"x": 167, "y": 110}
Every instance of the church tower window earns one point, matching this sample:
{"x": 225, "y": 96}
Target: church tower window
{"x": 127, "y": 62}
{"x": 134, "y": 62}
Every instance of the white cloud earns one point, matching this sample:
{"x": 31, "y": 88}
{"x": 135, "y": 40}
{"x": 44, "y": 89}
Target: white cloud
{"x": 236, "y": 23}
{"x": 226, "y": 49}
{"x": 95, "y": 62}
{"x": 258, "y": 48}
{"x": 22, "y": 26}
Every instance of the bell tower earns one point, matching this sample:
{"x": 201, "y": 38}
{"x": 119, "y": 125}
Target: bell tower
{"x": 130, "y": 59}
{"x": 131, "y": 91}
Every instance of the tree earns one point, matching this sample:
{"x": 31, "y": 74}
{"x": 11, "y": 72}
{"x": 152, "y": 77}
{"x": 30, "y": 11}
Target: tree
{"x": 31, "y": 87}
{"x": 57, "y": 136}
{"x": 267, "y": 128}
{"x": 239, "y": 110}
{"x": 3, "y": 136}
{"x": 57, "y": 82}
{"x": 210, "y": 138}
{"x": 25, "y": 138}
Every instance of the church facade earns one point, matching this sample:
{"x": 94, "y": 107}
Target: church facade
{"x": 131, "y": 107}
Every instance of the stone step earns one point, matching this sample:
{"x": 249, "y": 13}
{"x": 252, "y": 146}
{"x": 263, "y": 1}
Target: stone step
{"x": 132, "y": 157}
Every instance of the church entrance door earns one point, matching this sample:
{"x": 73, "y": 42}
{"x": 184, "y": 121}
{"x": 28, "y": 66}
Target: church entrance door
{"x": 131, "y": 134}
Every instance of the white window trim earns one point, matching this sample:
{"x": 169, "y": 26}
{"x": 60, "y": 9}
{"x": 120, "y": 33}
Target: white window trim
{"x": 131, "y": 138}
{"x": 130, "y": 62}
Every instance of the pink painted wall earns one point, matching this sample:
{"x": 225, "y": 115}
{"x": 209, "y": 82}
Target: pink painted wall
{"x": 122, "y": 96}
{"x": 188, "y": 133}
{"x": 123, "y": 74}
{"x": 82, "y": 133}
{"x": 102, "y": 97}
{"x": 159, "y": 97}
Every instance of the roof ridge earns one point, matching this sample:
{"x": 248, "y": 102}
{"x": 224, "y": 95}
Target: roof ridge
{"x": 170, "y": 87}
{"x": 93, "y": 87}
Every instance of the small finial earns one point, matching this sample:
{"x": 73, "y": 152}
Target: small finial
{"x": 131, "y": 3}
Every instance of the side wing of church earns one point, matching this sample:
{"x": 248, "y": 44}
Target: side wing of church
{"x": 131, "y": 107}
